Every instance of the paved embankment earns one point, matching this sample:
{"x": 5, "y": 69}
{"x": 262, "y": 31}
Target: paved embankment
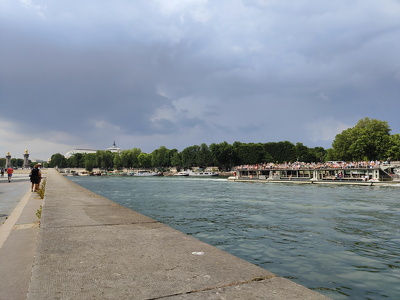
{"x": 92, "y": 248}
{"x": 18, "y": 237}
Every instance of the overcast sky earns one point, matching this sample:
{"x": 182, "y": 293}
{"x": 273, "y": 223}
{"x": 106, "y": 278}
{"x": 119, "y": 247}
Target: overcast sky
{"x": 177, "y": 73}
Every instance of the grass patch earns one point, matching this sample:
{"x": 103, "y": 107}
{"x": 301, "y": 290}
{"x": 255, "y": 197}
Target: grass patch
{"x": 39, "y": 213}
{"x": 42, "y": 189}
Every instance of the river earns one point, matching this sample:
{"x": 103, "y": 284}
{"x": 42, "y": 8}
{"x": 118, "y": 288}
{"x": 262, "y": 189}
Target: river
{"x": 341, "y": 241}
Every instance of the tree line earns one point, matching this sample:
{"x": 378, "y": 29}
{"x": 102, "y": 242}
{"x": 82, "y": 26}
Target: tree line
{"x": 222, "y": 155}
{"x": 368, "y": 140}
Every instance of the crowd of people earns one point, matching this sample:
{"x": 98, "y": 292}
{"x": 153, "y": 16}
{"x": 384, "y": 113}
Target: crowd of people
{"x": 314, "y": 165}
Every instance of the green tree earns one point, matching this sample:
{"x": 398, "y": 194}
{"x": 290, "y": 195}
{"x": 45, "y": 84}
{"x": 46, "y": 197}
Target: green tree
{"x": 117, "y": 161}
{"x": 135, "y": 156}
{"x": 393, "y": 151}
{"x": 281, "y": 152}
{"x": 58, "y": 160}
{"x": 305, "y": 154}
{"x": 175, "y": 158}
{"x": 189, "y": 156}
{"x": 319, "y": 154}
{"x": 104, "y": 159}
{"x": 90, "y": 161}
{"x": 129, "y": 158}
{"x": 267, "y": 157}
{"x": 160, "y": 157}
{"x": 224, "y": 155}
{"x": 76, "y": 161}
{"x": 368, "y": 140}
{"x": 248, "y": 154}
{"x": 204, "y": 156}
{"x": 144, "y": 160}
{"x": 126, "y": 158}
{"x": 341, "y": 146}
{"x": 17, "y": 162}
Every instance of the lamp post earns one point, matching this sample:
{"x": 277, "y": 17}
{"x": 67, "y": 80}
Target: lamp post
{"x": 26, "y": 159}
{"x": 8, "y": 160}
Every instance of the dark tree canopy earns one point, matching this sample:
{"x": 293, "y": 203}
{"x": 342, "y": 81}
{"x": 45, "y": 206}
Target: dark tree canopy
{"x": 368, "y": 140}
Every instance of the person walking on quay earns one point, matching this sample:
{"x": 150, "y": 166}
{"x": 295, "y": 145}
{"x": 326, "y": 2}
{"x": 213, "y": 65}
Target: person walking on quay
{"x": 9, "y": 173}
{"x": 2, "y": 172}
{"x": 36, "y": 176}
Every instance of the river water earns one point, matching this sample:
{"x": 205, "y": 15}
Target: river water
{"x": 342, "y": 241}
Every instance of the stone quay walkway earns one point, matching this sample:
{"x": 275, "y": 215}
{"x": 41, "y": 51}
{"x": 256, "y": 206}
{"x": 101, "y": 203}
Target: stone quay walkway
{"x": 19, "y": 229}
{"x": 89, "y": 247}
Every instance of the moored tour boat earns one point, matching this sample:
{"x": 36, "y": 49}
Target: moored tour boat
{"x": 359, "y": 173}
{"x": 204, "y": 174}
{"x": 145, "y": 173}
{"x": 181, "y": 174}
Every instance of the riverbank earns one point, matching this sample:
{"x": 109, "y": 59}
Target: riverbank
{"x": 91, "y": 247}
{"x": 123, "y": 172}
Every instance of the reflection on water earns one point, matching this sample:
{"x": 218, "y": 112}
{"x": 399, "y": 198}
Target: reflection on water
{"x": 342, "y": 241}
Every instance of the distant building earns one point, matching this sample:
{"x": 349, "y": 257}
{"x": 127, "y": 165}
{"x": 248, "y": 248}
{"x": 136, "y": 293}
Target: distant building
{"x": 75, "y": 151}
{"x": 113, "y": 149}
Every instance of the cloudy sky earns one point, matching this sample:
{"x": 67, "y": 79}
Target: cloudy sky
{"x": 177, "y": 73}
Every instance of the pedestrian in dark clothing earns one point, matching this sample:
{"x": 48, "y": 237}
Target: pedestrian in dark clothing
{"x": 36, "y": 176}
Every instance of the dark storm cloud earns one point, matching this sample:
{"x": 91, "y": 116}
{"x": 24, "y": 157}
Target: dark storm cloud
{"x": 178, "y": 73}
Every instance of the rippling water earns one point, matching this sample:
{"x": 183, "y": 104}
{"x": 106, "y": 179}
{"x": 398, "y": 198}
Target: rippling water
{"x": 342, "y": 241}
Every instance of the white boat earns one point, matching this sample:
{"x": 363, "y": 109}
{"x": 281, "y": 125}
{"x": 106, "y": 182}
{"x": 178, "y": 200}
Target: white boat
{"x": 197, "y": 173}
{"x": 204, "y": 173}
{"x": 145, "y": 173}
{"x": 84, "y": 173}
{"x": 181, "y": 174}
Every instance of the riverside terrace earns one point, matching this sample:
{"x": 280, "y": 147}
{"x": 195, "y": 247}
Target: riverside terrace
{"x": 330, "y": 172}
